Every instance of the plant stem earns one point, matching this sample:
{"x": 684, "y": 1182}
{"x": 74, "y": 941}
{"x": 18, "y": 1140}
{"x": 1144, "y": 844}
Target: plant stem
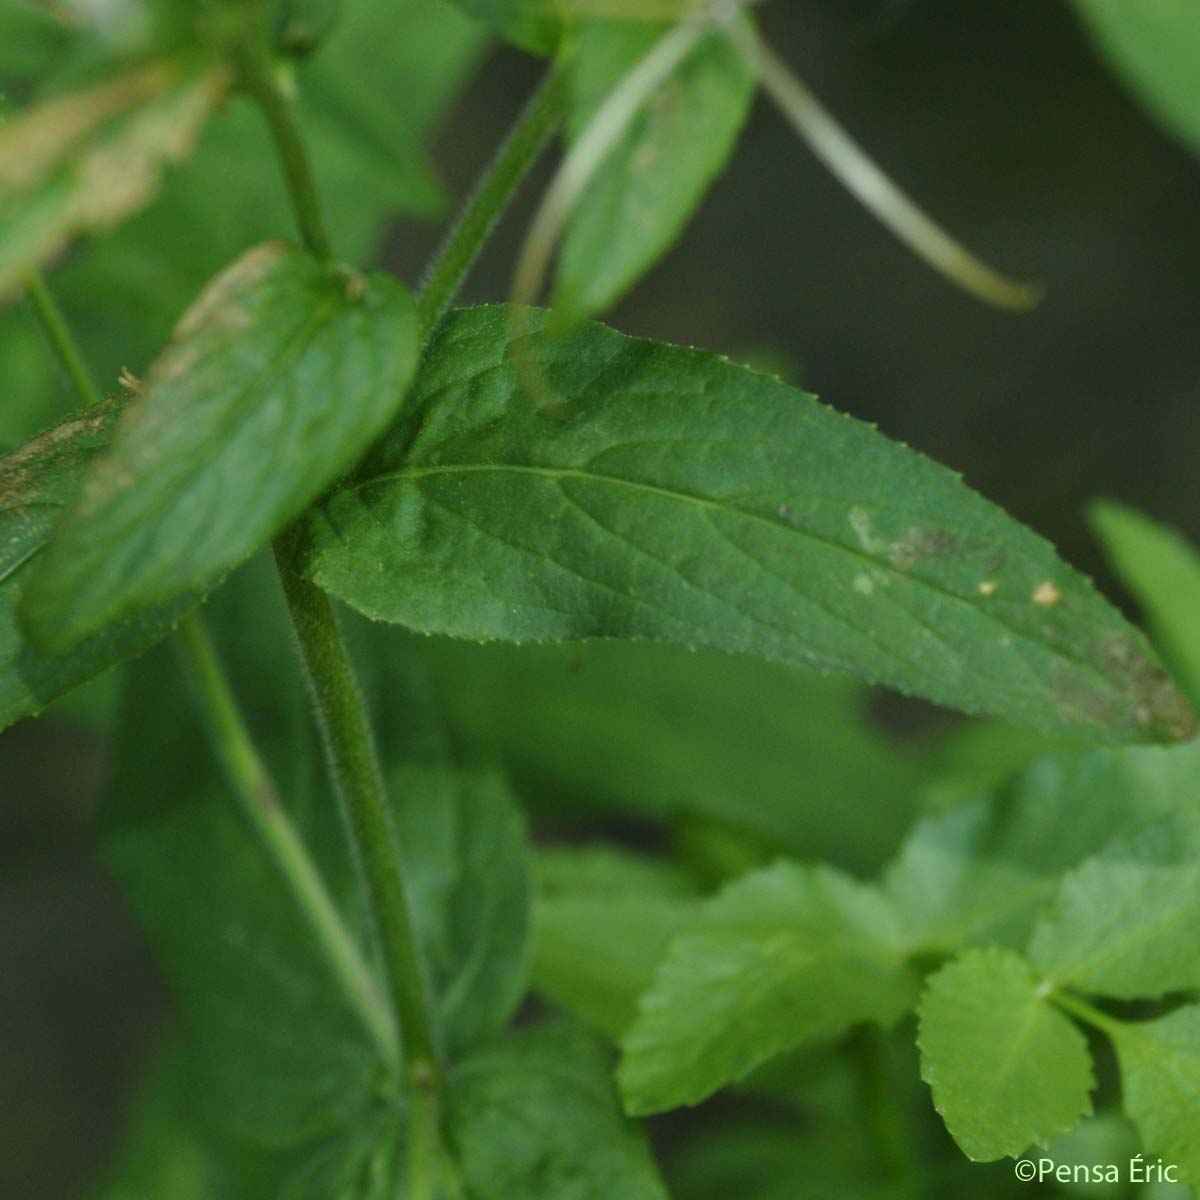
{"x": 65, "y": 346}
{"x": 263, "y": 810}
{"x": 494, "y": 191}
{"x": 1087, "y": 1013}
{"x": 344, "y": 726}
{"x": 351, "y": 754}
{"x": 259, "y": 80}
{"x": 881, "y": 1108}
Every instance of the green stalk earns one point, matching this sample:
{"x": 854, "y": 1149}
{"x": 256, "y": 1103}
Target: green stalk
{"x": 259, "y": 79}
{"x": 350, "y": 750}
{"x": 343, "y": 719}
{"x": 1087, "y": 1013}
{"x": 345, "y": 729}
{"x": 266, "y": 815}
{"x": 351, "y": 753}
{"x": 493, "y": 193}
{"x": 344, "y": 726}
{"x": 880, "y": 1105}
{"x": 244, "y": 767}
{"x": 65, "y": 346}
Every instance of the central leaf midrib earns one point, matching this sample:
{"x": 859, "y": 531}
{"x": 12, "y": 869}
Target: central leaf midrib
{"x": 560, "y": 473}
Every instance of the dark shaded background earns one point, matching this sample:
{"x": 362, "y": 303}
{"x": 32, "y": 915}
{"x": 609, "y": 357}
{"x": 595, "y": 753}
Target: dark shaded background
{"x": 997, "y": 115}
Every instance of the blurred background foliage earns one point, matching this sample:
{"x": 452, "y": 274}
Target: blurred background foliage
{"x": 1000, "y": 118}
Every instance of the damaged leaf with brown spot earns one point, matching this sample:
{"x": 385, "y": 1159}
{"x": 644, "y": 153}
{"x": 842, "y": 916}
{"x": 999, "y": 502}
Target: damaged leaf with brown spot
{"x": 36, "y": 482}
{"x": 84, "y": 161}
{"x": 681, "y": 498}
{"x": 276, "y": 380}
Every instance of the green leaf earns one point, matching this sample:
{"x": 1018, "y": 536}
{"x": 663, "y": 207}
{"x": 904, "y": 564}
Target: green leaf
{"x": 276, "y": 1054}
{"x": 534, "y": 1116}
{"x": 86, "y": 160}
{"x": 1126, "y": 923}
{"x": 779, "y": 958}
{"x": 463, "y": 842}
{"x": 36, "y": 482}
{"x": 661, "y": 732}
{"x": 982, "y": 872}
{"x": 1007, "y": 1069}
{"x": 647, "y": 189}
{"x": 674, "y": 496}
{"x": 533, "y": 25}
{"x": 1154, "y": 49}
{"x": 231, "y": 436}
{"x": 1162, "y": 570}
{"x": 1160, "y": 1081}
{"x": 602, "y": 924}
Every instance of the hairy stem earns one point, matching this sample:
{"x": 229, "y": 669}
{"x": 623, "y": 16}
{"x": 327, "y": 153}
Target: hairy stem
{"x": 259, "y": 79}
{"x": 351, "y": 753}
{"x": 266, "y": 815}
{"x": 491, "y": 197}
{"x": 61, "y": 338}
{"x": 345, "y": 730}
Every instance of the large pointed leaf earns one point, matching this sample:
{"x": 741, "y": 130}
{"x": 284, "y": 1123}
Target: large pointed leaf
{"x": 36, "y": 482}
{"x": 277, "y": 378}
{"x": 672, "y": 495}
{"x": 646, "y": 190}
{"x": 779, "y": 958}
{"x": 1007, "y": 1069}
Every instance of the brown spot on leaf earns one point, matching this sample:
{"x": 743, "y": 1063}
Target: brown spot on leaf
{"x": 219, "y": 304}
{"x": 32, "y": 144}
{"x": 1046, "y": 594}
